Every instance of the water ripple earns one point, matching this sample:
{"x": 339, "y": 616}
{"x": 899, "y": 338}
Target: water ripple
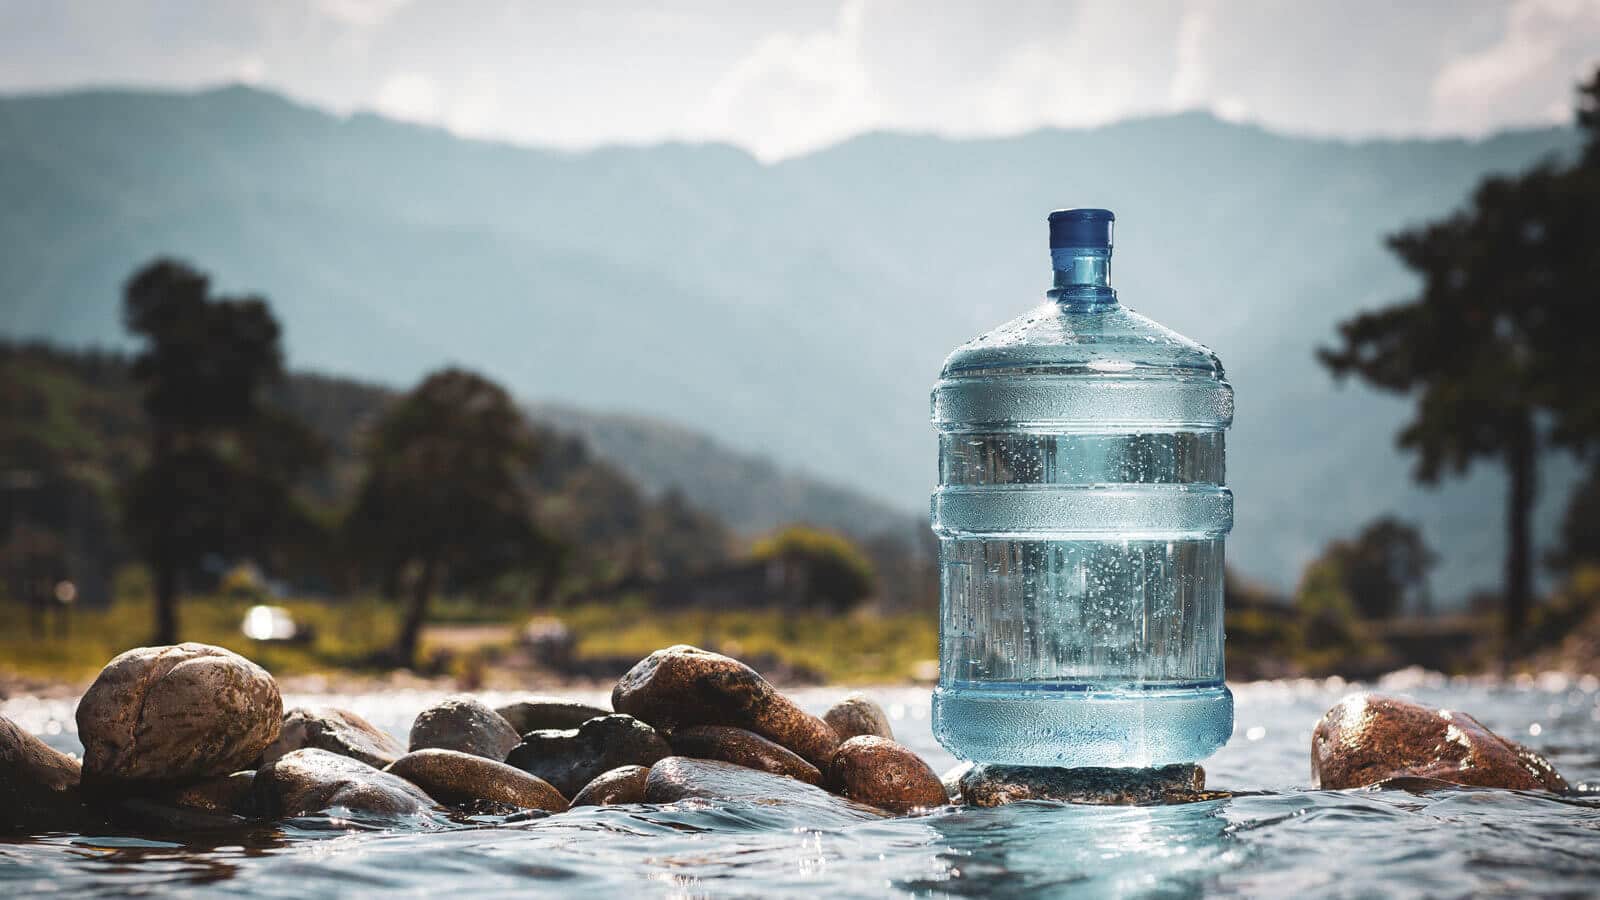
{"x": 1282, "y": 840}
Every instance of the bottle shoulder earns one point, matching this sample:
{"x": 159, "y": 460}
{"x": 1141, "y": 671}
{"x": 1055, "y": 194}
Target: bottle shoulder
{"x": 1106, "y": 339}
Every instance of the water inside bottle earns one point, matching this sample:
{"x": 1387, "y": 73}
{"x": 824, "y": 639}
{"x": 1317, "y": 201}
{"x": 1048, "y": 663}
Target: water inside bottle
{"x": 1082, "y": 514}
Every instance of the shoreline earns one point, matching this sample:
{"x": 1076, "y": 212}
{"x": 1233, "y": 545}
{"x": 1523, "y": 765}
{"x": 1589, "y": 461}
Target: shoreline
{"x": 14, "y": 686}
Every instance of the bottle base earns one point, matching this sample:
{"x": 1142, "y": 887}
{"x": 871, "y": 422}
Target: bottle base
{"x": 1076, "y": 724}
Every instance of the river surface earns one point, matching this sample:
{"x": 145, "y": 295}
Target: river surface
{"x": 1286, "y": 840}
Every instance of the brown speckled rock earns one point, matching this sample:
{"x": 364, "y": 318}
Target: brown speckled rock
{"x": 879, "y": 772}
{"x": 857, "y": 715}
{"x": 466, "y": 725}
{"x": 542, "y": 713}
{"x": 684, "y": 685}
{"x": 680, "y": 778}
{"x": 1368, "y": 738}
{"x": 742, "y": 748}
{"x": 177, "y": 713}
{"x": 310, "y": 781}
{"x": 38, "y": 784}
{"x": 992, "y": 785}
{"x": 475, "y": 783}
{"x": 624, "y": 784}
{"x": 336, "y": 731}
{"x": 571, "y": 758}
{"x": 232, "y": 795}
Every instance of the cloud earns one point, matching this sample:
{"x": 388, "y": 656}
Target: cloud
{"x": 1191, "y": 76}
{"x": 1095, "y": 63}
{"x": 358, "y": 13}
{"x": 1526, "y": 76}
{"x": 410, "y": 96}
{"x": 250, "y": 70}
{"x": 476, "y": 109}
{"x": 795, "y": 92}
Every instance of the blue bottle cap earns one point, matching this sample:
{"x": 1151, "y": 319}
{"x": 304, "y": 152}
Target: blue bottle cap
{"x": 1081, "y": 228}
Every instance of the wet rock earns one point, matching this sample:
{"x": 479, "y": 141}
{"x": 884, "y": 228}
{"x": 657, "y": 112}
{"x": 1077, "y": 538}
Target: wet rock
{"x": 224, "y": 801}
{"x": 685, "y": 685}
{"x": 472, "y": 782}
{"x": 232, "y": 795}
{"x": 308, "y": 781}
{"x": 38, "y": 784}
{"x": 177, "y": 713}
{"x": 742, "y": 748}
{"x": 464, "y": 724}
{"x": 570, "y": 758}
{"x": 1369, "y": 738}
{"x": 336, "y": 731}
{"x": 879, "y": 772}
{"x": 542, "y": 713}
{"x": 992, "y": 785}
{"x": 951, "y": 780}
{"x": 856, "y": 715}
{"x": 680, "y": 778}
{"x": 624, "y": 784}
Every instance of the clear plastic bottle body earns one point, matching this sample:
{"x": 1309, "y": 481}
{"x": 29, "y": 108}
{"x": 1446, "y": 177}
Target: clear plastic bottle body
{"x": 1082, "y": 513}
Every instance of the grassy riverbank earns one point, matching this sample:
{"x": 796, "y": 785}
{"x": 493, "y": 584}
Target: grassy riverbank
{"x": 468, "y": 641}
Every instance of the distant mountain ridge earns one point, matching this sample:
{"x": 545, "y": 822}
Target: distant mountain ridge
{"x": 798, "y": 310}
{"x": 748, "y": 491}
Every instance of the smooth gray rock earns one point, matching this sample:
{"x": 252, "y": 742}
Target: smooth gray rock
{"x": 994, "y": 785}
{"x": 857, "y": 715}
{"x": 336, "y": 731}
{"x": 177, "y": 713}
{"x": 38, "y": 784}
{"x": 544, "y": 713}
{"x": 466, "y": 725}
{"x": 309, "y": 781}
{"x": 474, "y": 783}
{"x": 571, "y": 758}
{"x": 681, "y": 778}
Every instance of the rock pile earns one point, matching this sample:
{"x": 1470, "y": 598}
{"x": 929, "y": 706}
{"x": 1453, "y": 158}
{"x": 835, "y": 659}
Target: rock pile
{"x": 193, "y": 736}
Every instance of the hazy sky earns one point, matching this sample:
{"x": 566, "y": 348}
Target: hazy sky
{"x": 783, "y": 78}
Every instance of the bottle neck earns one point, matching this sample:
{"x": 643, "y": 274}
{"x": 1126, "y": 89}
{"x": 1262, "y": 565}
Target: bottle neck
{"x": 1082, "y": 275}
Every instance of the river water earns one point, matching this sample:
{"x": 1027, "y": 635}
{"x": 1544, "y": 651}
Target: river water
{"x": 1284, "y": 840}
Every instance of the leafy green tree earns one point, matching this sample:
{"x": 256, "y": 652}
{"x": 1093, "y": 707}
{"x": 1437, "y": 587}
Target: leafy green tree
{"x": 1580, "y": 527}
{"x": 222, "y": 465}
{"x": 840, "y": 575}
{"x": 681, "y": 538}
{"x": 1496, "y": 344}
{"x": 1328, "y": 622}
{"x": 1383, "y": 567}
{"x": 448, "y": 494}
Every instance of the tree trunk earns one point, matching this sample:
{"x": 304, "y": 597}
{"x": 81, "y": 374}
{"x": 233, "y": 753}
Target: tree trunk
{"x": 549, "y": 580}
{"x": 166, "y": 588}
{"x": 416, "y": 614}
{"x": 164, "y": 565}
{"x": 1522, "y": 461}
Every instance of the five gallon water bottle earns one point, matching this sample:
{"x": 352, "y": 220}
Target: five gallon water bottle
{"x": 1081, "y": 514}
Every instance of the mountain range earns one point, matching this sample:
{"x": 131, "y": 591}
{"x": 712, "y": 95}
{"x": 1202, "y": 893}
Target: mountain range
{"x": 796, "y": 311}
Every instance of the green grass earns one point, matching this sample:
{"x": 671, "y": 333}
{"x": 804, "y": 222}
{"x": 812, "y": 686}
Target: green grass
{"x": 346, "y": 635}
{"x": 858, "y": 648}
